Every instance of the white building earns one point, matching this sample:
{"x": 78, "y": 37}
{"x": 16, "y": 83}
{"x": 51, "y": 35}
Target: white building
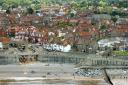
{"x": 57, "y": 47}
{"x": 1, "y": 45}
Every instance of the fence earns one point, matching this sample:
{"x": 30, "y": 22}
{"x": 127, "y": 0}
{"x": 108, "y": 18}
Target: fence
{"x": 103, "y": 62}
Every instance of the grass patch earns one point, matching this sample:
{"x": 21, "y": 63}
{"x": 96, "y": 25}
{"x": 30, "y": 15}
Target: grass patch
{"x": 121, "y": 53}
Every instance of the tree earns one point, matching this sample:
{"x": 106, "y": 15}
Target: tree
{"x": 103, "y": 3}
{"x": 103, "y": 6}
{"x": 86, "y": 4}
{"x": 123, "y": 4}
{"x": 36, "y": 4}
{"x": 1, "y": 2}
{"x": 25, "y": 3}
{"x": 12, "y": 3}
{"x": 30, "y": 11}
{"x": 103, "y": 27}
{"x": 75, "y": 5}
{"x": 5, "y": 6}
{"x": 114, "y": 19}
{"x": 8, "y": 11}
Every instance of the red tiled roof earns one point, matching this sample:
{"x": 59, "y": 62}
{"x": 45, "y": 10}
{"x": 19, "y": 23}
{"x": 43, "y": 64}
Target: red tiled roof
{"x": 5, "y": 40}
{"x": 2, "y": 33}
{"x": 30, "y": 18}
{"x": 74, "y": 20}
{"x": 122, "y": 30}
{"x": 85, "y": 33}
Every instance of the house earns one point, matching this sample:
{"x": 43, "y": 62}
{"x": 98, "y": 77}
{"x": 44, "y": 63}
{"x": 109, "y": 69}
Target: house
{"x": 4, "y": 21}
{"x": 30, "y": 19}
{"x": 99, "y": 17}
{"x": 2, "y": 33}
{"x": 122, "y": 27}
{"x": 57, "y": 47}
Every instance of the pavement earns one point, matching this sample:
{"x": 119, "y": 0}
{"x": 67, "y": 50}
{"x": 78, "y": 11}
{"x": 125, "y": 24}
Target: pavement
{"x": 38, "y": 73}
{"x": 120, "y": 81}
{"x": 37, "y": 70}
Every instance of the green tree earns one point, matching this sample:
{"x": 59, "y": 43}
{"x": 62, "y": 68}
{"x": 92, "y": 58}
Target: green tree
{"x": 5, "y": 6}
{"x": 75, "y": 5}
{"x": 36, "y": 4}
{"x": 123, "y": 4}
{"x": 103, "y": 6}
{"x": 1, "y": 2}
{"x": 114, "y": 19}
{"x": 8, "y": 11}
{"x": 25, "y": 3}
{"x": 30, "y": 10}
{"x": 85, "y": 4}
{"x": 103, "y": 27}
{"x": 12, "y": 3}
{"x": 103, "y": 3}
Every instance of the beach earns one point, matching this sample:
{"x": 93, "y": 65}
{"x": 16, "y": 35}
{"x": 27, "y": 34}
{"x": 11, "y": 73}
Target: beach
{"x": 48, "y": 74}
